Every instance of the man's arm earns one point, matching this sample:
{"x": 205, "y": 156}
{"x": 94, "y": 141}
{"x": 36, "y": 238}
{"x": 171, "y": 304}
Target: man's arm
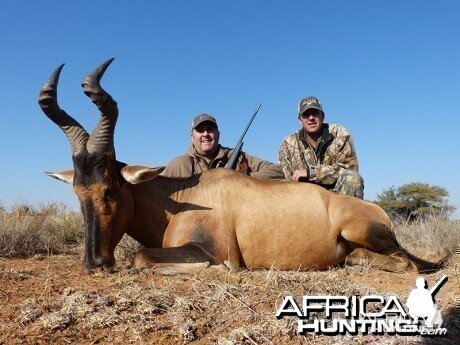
{"x": 264, "y": 170}
{"x": 179, "y": 167}
{"x": 285, "y": 160}
{"x": 343, "y": 156}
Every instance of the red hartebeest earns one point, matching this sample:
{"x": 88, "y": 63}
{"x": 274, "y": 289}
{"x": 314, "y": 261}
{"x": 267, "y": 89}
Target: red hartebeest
{"x": 217, "y": 216}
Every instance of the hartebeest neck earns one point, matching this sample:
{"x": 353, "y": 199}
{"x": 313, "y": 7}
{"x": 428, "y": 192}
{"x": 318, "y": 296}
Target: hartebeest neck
{"x": 155, "y": 203}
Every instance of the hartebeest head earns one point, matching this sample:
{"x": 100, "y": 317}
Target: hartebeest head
{"x": 102, "y": 184}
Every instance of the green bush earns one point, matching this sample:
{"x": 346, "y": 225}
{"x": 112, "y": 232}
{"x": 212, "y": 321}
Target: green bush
{"x": 415, "y": 200}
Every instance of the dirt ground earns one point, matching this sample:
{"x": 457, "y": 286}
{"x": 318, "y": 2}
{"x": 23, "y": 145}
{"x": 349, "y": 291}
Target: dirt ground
{"x": 49, "y": 299}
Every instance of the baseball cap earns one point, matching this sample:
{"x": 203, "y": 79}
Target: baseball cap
{"x": 203, "y": 118}
{"x": 309, "y": 103}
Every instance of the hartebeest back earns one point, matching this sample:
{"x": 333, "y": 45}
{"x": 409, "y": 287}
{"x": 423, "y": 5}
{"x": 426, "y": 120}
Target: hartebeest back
{"x": 217, "y": 216}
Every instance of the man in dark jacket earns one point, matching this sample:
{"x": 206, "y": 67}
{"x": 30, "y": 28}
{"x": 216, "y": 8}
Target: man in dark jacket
{"x": 206, "y": 153}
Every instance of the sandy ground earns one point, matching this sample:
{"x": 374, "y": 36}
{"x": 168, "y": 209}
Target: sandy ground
{"x": 49, "y": 298}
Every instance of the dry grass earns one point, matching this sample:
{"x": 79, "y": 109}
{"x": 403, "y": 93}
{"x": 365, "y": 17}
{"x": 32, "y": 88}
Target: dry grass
{"x": 212, "y": 307}
{"x": 26, "y": 230}
{"x": 217, "y": 307}
{"x": 432, "y": 238}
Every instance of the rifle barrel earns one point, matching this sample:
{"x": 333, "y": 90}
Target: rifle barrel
{"x": 250, "y": 121}
{"x": 239, "y": 144}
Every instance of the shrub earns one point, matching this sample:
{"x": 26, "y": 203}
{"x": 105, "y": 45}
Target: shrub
{"x": 415, "y": 200}
{"x": 26, "y": 230}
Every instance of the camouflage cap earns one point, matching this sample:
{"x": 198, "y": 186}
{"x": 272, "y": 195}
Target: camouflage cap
{"x": 203, "y": 118}
{"x": 309, "y": 103}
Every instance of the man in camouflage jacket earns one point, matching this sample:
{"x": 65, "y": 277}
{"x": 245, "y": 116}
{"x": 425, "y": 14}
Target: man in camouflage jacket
{"x": 321, "y": 153}
{"x": 206, "y": 153}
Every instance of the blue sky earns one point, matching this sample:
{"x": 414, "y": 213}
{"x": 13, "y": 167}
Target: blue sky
{"x": 387, "y": 70}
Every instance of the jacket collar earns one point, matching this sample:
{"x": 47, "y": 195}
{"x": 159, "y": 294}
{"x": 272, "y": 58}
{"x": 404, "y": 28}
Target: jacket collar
{"x": 221, "y": 152}
{"x": 325, "y": 134}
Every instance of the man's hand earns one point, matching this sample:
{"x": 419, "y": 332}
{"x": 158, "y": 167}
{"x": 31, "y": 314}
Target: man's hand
{"x": 300, "y": 175}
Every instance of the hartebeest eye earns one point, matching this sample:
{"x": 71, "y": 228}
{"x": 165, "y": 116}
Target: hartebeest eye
{"x": 109, "y": 194}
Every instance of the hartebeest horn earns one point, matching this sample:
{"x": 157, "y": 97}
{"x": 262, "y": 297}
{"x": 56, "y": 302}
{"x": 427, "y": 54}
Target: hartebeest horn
{"x": 102, "y": 137}
{"x": 47, "y": 100}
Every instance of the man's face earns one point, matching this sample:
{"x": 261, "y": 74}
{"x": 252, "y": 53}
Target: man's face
{"x": 205, "y": 138}
{"x": 312, "y": 121}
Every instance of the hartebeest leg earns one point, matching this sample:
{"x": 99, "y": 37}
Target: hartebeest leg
{"x": 169, "y": 261}
{"x": 397, "y": 262}
{"x": 376, "y": 246}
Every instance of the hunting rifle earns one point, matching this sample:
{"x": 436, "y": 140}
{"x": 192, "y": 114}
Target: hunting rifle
{"x": 236, "y": 151}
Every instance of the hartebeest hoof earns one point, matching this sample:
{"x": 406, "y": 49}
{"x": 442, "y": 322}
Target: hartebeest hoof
{"x": 227, "y": 267}
{"x": 393, "y": 263}
{"x": 231, "y": 266}
{"x": 91, "y": 271}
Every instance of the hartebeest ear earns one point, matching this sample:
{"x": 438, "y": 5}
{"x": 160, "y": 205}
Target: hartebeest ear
{"x": 137, "y": 173}
{"x": 64, "y": 176}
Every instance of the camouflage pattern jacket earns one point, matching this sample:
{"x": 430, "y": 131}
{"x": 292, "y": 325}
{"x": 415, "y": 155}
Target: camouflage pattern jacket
{"x": 192, "y": 164}
{"x": 335, "y": 151}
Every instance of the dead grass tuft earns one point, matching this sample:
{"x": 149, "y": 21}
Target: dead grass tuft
{"x": 431, "y": 238}
{"x": 26, "y": 230}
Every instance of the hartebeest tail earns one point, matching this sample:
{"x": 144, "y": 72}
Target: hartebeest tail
{"x": 427, "y": 266}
